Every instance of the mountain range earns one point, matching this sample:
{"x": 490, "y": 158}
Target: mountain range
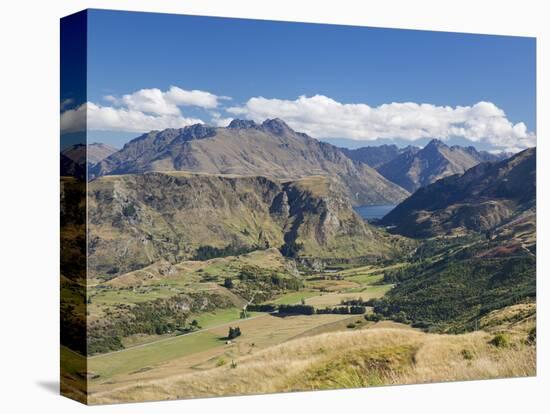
{"x": 413, "y": 167}
{"x": 137, "y": 219}
{"x": 377, "y": 156}
{"x": 384, "y": 174}
{"x": 76, "y": 158}
{"x": 486, "y": 196}
{"x": 246, "y": 148}
{"x": 91, "y": 153}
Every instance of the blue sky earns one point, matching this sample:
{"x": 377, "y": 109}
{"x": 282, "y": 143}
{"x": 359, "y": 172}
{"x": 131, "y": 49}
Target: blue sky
{"x": 329, "y": 66}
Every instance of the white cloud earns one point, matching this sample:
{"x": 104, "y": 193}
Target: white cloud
{"x": 73, "y": 120}
{"x": 155, "y": 101}
{"x": 140, "y": 111}
{"x": 106, "y": 118}
{"x": 66, "y": 103}
{"x": 219, "y": 121}
{"x": 193, "y": 98}
{"x": 323, "y": 117}
{"x": 151, "y": 101}
{"x": 318, "y": 115}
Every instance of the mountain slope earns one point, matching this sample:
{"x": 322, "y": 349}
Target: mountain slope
{"x": 92, "y": 153}
{"x": 136, "y": 220}
{"x": 453, "y": 290}
{"x": 376, "y": 156}
{"x": 269, "y": 149}
{"x": 481, "y": 199}
{"x": 381, "y": 354}
{"x": 413, "y": 169}
{"x": 69, "y": 168}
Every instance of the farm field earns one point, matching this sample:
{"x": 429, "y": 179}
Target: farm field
{"x": 159, "y": 366}
{"x": 150, "y": 357}
{"x": 335, "y": 299}
{"x": 385, "y": 353}
{"x": 219, "y": 317}
{"x": 294, "y": 297}
{"x": 200, "y": 350}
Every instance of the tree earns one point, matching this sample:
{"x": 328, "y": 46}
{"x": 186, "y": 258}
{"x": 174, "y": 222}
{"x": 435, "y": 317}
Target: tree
{"x": 234, "y": 332}
{"x": 129, "y": 210}
{"x": 228, "y": 283}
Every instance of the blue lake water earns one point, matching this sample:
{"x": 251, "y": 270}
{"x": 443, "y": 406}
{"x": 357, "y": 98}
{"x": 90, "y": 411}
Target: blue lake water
{"x": 374, "y": 212}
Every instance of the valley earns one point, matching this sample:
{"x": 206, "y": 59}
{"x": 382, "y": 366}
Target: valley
{"x": 207, "y": 347}
{"x": 372, "y": 347}
{"x": 221, "y": 280}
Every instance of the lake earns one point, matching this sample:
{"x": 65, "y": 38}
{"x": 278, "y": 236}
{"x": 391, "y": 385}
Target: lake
{"x": 374, "y": 212}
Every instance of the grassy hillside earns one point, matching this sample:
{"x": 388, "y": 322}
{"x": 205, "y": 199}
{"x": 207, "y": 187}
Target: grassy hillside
{"x": 378, "y": 354}
{"x": 136, "y": 220}
{"x": 165, "y": 299}
{"x": 459, "y": 282}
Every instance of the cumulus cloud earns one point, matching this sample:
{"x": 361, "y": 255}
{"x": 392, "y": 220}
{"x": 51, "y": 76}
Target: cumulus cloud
{"x": 194, "y": 98}
{"x": 105, "y": 118}
{"x": 140, "y": 111}
{"x": 152, "y": 101}
{"x": 220, "y": 121}
{"x": 323, "y": 117}
{"x": 159, "y": 102}
{"x": 319, "y": 116}
{"x": 65, "y": 103}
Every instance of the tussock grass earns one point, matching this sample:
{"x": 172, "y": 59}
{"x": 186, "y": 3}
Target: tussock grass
{"x": 359, "y": 358}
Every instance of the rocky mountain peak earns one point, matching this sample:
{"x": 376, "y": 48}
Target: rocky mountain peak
{"x": 246, "y": 148}
{"x": 434, "y": 144}
{"x": 242, "y": 124}
{"x": 91, "y": 153}
{"x": 276, "y": 126}
{"x": 483, "y": 197}
{"x": 197, "y": 131}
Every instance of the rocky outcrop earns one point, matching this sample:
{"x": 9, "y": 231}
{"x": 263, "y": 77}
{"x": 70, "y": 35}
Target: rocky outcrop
{"x": 135, "y": 220}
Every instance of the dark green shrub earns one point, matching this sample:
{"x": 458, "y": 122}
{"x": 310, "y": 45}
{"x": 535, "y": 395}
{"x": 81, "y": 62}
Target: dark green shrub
{"x": 129, "y": 210}
{"x": 373, "y": 317}
{"x": 532, "y": 337}
{"x": 296, "y": 310}
{"x": 234, "y": 332}
{"x": 499, "y": 340}
{"x": 467, "y": 354}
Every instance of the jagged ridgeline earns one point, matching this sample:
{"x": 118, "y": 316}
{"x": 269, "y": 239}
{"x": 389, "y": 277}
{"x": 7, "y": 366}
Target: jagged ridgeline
{"x": 137, "y": 219}
{"x": 270, "y": 149}
{"x": 412, "y": 167}
{"x": 485, "y": 197}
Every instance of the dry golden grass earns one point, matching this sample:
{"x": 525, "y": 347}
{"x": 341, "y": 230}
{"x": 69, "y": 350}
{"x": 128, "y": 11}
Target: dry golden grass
{"x": 332, "y": 285}
{"x": 335, "y": 299}
{"x": 151, "y": 363}
{"x": 315, "y": 184}
{"x": 187, "y": 270}
{"x": 513, "y": 317}
{"x": 153, "y": 273}
{"x": 367, "y": 357}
